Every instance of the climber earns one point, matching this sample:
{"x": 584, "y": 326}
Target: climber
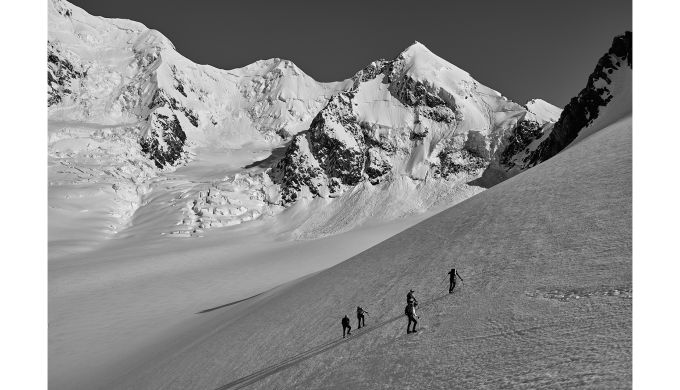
{"x": 411, "y": 299}
{"x": 360, "y": 317}
{"x": 410, "y": 312}
{"x": 345, "y": 325}
{"x": 452, "y": 279}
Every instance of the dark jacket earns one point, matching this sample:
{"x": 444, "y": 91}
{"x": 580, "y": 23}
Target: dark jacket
{"x": 453, "y": 273}
{"x": 410, "y": 298}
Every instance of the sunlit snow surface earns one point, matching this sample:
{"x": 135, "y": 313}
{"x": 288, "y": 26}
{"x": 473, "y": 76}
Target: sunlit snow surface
{"x": 546, "y": 302}
{"x": 145, "y": 264}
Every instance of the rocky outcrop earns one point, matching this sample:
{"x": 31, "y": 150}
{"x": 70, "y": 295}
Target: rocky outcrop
{"x": 298, "y": 170}
{"x": 332, "y": 152}
{"x": 520, "y": 138}
{"x": 583, "y": 109}
{"x": 63, "y": 73}
{"x": 161, "y": 99}
{"x": 372, "y": 71}
{"x": 337, "y": 151}
{"x": 164, "y": 143}
{"x": 336, "y": 140}
{"x": 453, "y": 161}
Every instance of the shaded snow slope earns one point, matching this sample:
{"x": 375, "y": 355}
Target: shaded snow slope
{"x": 546, "y": 302}
{"x": 135, "y": 299}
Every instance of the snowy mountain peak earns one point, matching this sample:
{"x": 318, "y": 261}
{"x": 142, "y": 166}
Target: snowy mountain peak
{"x": 152, "y": 39}
{"x": 422, "y": 64}
{"x": 416, "y": 49}
{"x": 543, "y": 111}
{"x": 278, "y": 65}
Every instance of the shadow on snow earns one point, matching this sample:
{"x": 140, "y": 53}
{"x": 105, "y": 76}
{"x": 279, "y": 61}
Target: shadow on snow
{"x": 308, "y": 354}
{"x": 229, "y": 304}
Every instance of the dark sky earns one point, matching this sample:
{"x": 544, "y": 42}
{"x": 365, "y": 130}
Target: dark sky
{"x": 523, "y": 48}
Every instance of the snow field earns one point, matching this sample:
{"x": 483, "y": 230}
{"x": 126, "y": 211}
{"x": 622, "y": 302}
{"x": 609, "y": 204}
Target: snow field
{"x": 564, "y": 225}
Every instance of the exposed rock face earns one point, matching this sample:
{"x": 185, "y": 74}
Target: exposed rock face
{"x": 337, "y": 151}
{"x": 453, "y": 161}
{"x": 331, "y": 153}
{"x": 336, "y": 140}
{"x": 161, "y": 99}
{"x": 63, "y": 73}
{"x": 165, "y": 142}
{"x": 298, "y": 170}
{"x": 522, "y": 135}
{"x": 583, "y": 109}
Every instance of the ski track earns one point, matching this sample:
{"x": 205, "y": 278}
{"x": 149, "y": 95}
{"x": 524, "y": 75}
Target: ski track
{"x": 301, "y": 357}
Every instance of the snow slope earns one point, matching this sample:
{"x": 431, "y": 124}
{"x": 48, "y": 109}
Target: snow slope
{"x": 546, "y": 302}
{"x": 156, "y": 163}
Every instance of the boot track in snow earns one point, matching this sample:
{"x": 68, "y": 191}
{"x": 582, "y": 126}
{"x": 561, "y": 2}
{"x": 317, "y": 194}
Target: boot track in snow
{"x": 310, "y": 353}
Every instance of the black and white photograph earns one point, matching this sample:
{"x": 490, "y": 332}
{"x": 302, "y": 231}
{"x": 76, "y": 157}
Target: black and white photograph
{"x": 337, "y": 195}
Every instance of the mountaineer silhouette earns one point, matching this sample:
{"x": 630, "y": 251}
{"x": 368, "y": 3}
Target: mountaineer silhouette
{"x": 346, "y": 326}
{"x": 410, "y": 312}
{"x": 360, "y": 317}
{"x": 410, "y": 298}
{"x": 452, "y": 279}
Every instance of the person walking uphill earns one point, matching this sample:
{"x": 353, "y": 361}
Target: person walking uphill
{"x": 410, "y": 312}
{"x": 360, "y": 317}
{"x": 452, "y": 279}
{"x": 346, "y": 325}
{"x": 411, "y": 299}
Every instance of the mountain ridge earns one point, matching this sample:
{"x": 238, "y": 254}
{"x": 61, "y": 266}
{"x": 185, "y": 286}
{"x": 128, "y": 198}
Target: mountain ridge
{"x": 415, "y": 117}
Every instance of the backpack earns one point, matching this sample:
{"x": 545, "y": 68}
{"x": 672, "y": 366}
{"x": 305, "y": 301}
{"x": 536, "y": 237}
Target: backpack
{"x": 407, "y": 310}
